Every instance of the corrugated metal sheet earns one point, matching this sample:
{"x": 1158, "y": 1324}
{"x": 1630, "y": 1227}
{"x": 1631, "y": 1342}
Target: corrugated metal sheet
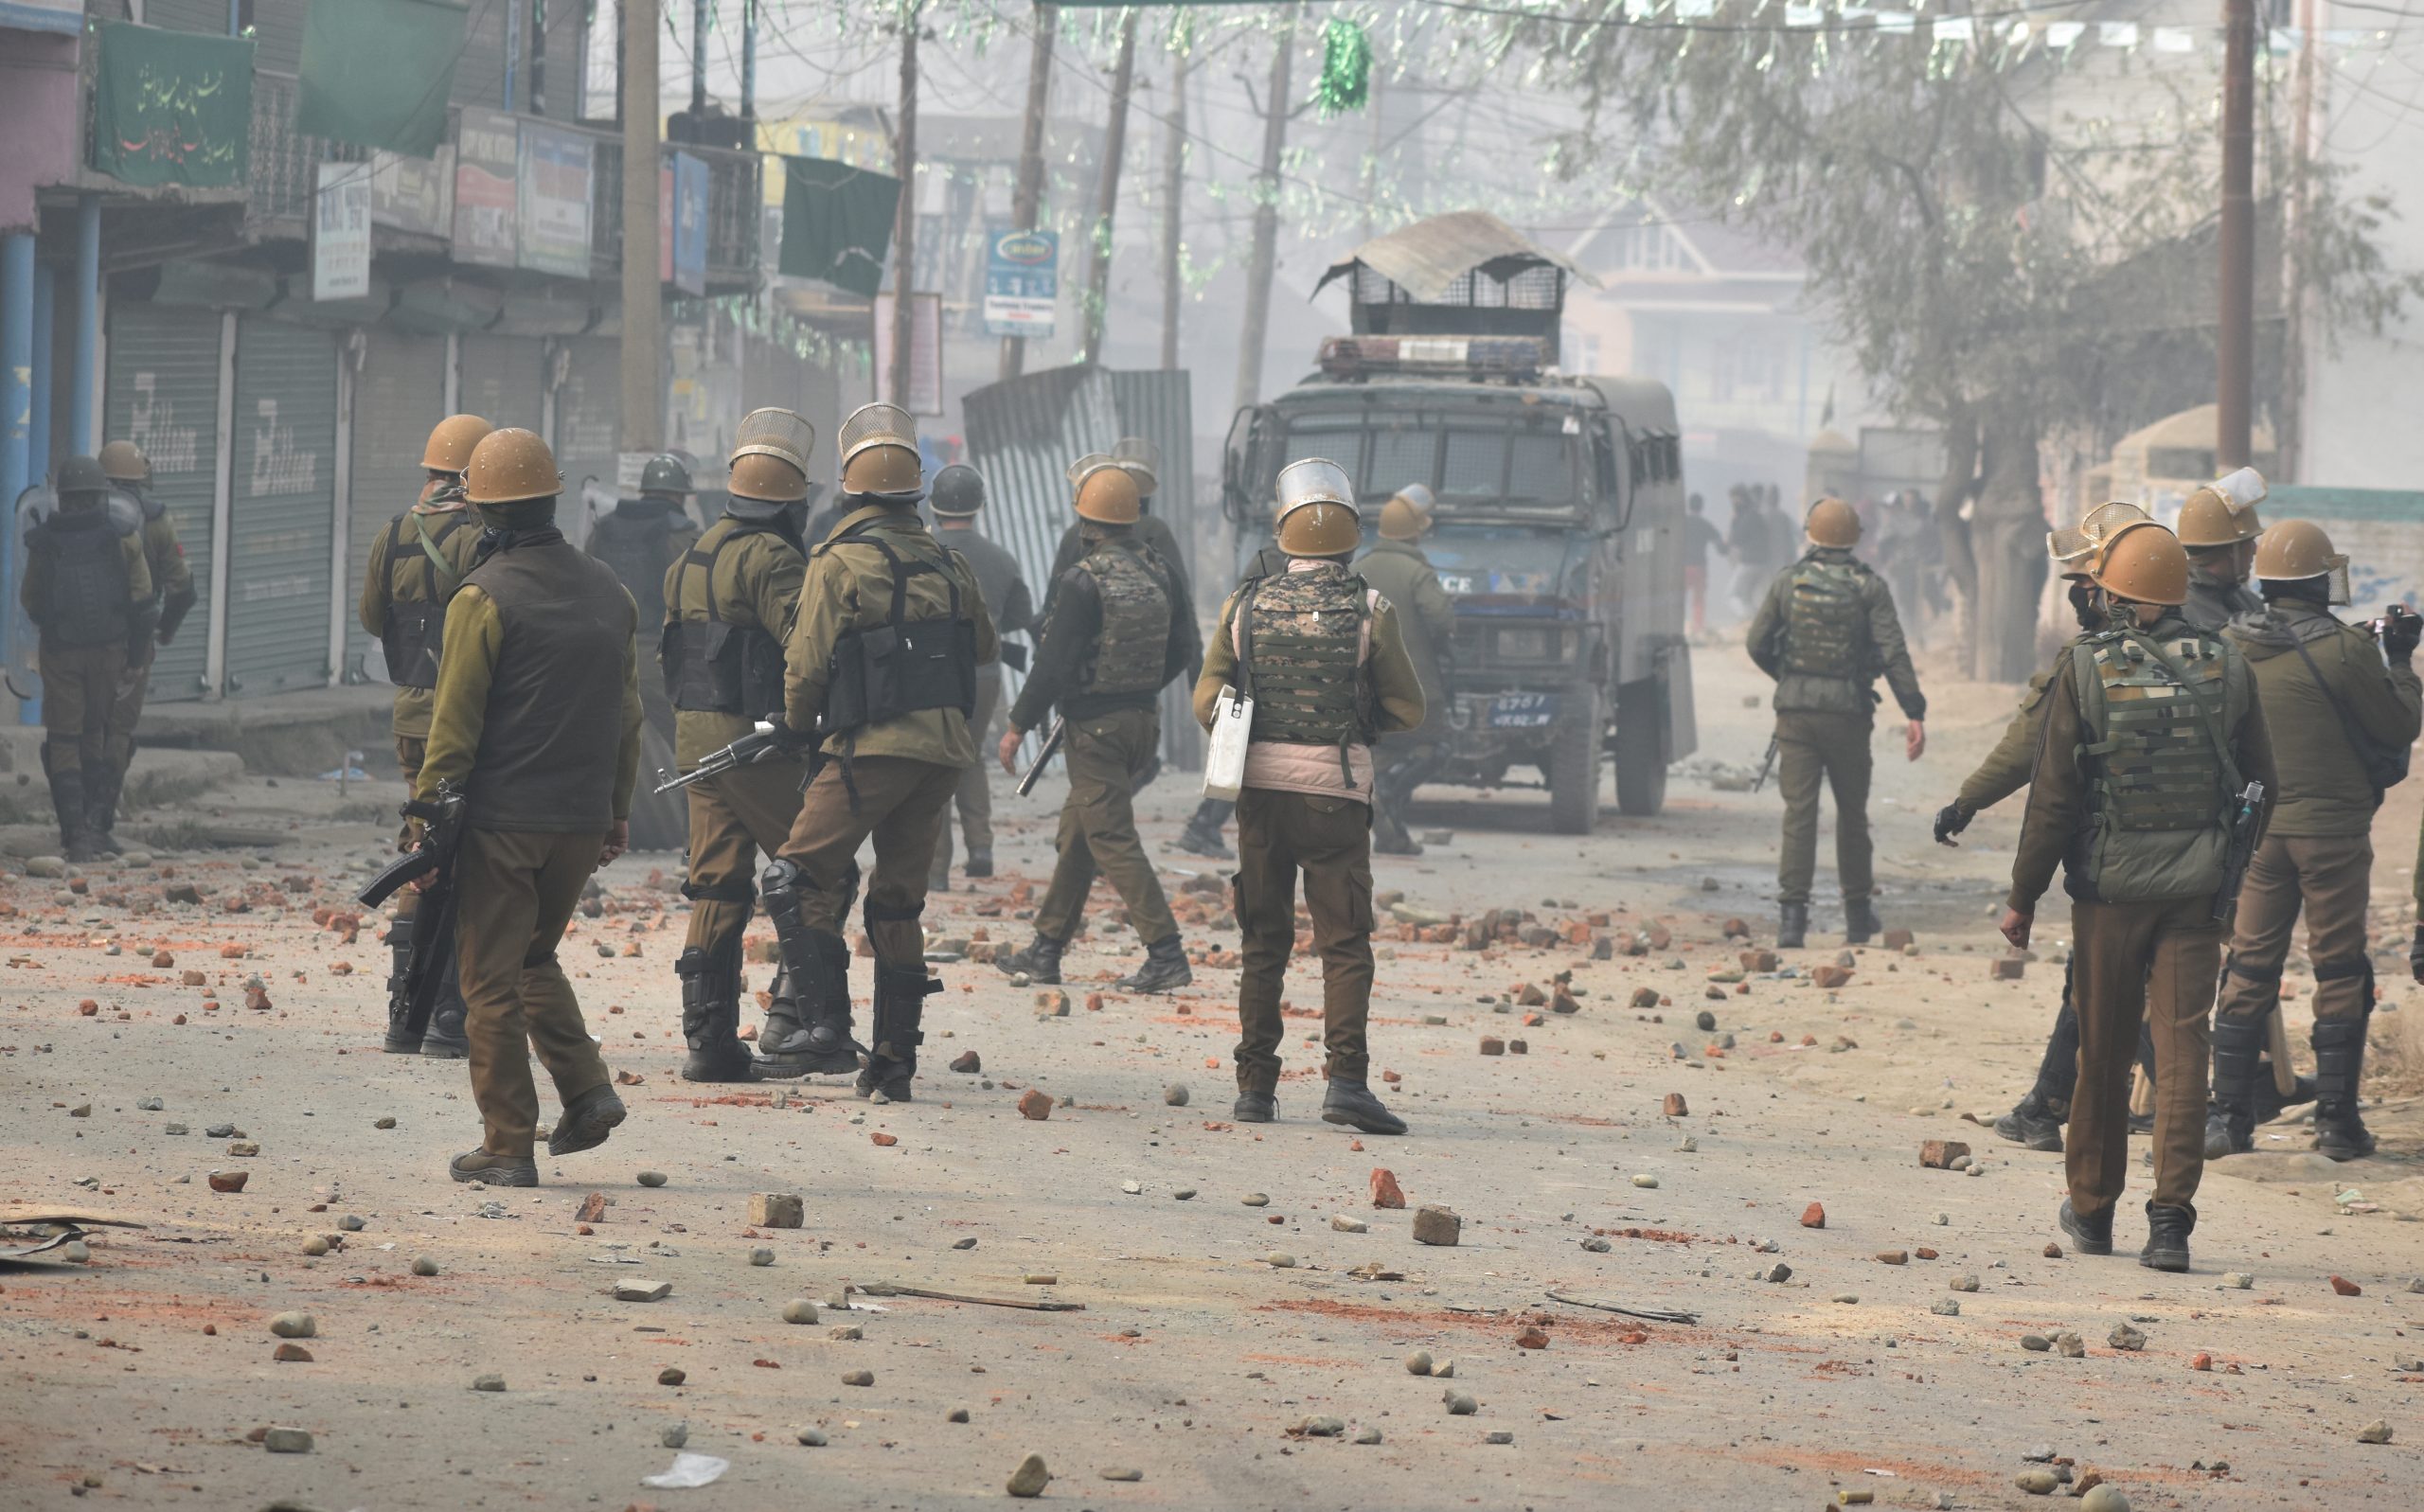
{"x": 283, "y": 524}
{"x": 589, "y": 414}
{"x": 397, "y": 395}
{"x": 163, "y": 395}
{"x": 1156, "y": 405}
{"x": 500, "y": 379}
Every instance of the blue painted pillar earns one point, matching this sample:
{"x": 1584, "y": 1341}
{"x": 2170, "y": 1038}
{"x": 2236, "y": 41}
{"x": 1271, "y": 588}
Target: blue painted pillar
{"x": 80, "y": 439}
{"x": 16, "y": 404}
{"x": 46, "y": 377}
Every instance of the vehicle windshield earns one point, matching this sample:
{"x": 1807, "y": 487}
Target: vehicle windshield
{"x": 1483, "y": 561}
{"x": 1526, "y": 460}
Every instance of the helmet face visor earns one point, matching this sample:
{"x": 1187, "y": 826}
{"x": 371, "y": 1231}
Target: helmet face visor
{"x": 1313, "y": 479}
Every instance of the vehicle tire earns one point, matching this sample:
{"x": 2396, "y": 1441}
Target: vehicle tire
{"x": 1641, "y": 748}
{"x": 1574, "y": 748}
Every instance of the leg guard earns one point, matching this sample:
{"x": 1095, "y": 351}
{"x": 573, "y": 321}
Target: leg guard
{"x": 102, "y": 815}
{"x": 2338, "y": 1065}
{"x": 402, "y": 1040}
{"x": 711, "y": 1014}
{"x": 2238, "y": 1041}
{"x": 819, "y": 964}
{"x": 447, "y": 1039}
{"x": 68, "y": 805}
{"x": 900, "y": 993}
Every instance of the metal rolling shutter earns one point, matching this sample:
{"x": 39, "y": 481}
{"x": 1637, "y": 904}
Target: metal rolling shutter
{"x": 502, "y": 376}
{"x": 283, "y": 524}
{"x": 588, "y": 418}
{"x": 398, "y": 394}
{"x": 163, "y": 395}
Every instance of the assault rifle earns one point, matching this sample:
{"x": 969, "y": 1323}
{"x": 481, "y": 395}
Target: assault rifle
{"x": 2242, "y": 851}
{"x": 1767, "y": 766}
{"x": 759, "y": 745}
{"x": 411, "y": 995}
{"x": 1052, "y": 739}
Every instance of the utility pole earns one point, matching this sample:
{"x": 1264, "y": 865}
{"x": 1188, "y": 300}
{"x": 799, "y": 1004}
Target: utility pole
{"x": 904, "y": 225}
{"x": 1266, "y": 217}
{"x": 1174, "y": 205}
{"x": 1026, "y": 195}
{"x": 643, "y": 300}
{"x": 1115, "y": 148}
{"x": 698, "y": 57}
{"x": 2235, "y": 338}
{"x": 2291, "y": 445}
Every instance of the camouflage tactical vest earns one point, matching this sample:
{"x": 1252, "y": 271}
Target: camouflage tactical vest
{"x": 1303, "y": 653}
{"x": 1825, "y": 623}
{"x": 1134, "y": 587}
{"x": 2161, "y": 776}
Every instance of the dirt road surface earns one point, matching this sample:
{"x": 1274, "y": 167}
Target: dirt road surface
{"x": 1223, "y": 1316}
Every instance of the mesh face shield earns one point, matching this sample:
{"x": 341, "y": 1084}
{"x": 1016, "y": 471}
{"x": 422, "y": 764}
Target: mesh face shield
{"x": 774, "y": 433}
{"x": 880, "y": 456}
{"x": 1142, "y": 460}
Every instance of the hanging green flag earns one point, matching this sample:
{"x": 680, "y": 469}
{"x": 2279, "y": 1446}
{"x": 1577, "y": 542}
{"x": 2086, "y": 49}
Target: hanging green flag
{"x": 377, "y": 73}
{"x": 1346, "y": 69}
{"x": 837, "y": 222}
{"x": 172, "y": 107}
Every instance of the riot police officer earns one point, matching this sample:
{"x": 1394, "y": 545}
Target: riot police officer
{"x": 1324, "y": 658}
{"x": 728, "y": 602}
{"x": 2138, "y": 805}
{"x": 172, "y": 594}
{"x": 1121, "y": 628}
{"x": 881, "y": 677}
{"x": 1142, "y": 461}
{"x": 1397, "y": 570}
{"x": 416, "y": 561}
{"x": 2343, "y": 712}
{"x": 1824, "y": 633}
{"x": 2218, "y": 526}
{"x": 87, "y": 588}
{"x": 958, "y": 500}
{"x": 641, "y": 538}
{"x": 1202, "y": 834}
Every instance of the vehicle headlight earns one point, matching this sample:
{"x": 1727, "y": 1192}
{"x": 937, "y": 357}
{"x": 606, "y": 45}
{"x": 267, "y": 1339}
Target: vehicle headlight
{"x": 1526, "y": 645}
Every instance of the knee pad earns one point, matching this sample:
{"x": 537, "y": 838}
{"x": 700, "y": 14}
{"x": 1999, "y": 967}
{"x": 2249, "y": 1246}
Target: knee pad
{"x": 737, "y": 890}
{"x": 2257, "y": 973}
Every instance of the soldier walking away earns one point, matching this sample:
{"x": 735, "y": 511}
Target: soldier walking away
{"x": 881, "y": 676}
{"x": 1143, "y": 461}
{"x": 729, "y": 604}
{"x": 536, "y": 722}
{"x": 641, "y": 538}
{"x": 87, "y": 588}
{"x": 1700, "y": 539}
{"x": 416, "y": 561}
{"x": 2218, "y": 526}
{"x": 2151, "y": 728}
{"x": 1324, "y": 658}
{"x": 1121, "y": 628}
{"x": 959, "y": 499}
{"x": 1824, "y": 633}
{"x": 129, "y": 473}
{"x": 1397, "y": 569}
{"x": 2343, "y": 712}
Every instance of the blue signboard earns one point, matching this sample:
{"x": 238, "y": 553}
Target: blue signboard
{"x": 1021, "y": 282}
{"x": 690, "y": 223}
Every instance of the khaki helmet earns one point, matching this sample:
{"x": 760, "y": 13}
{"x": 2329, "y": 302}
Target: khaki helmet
{"x": 1832, "y": 523}
{"x": 2143, "y": 563}
{"x": 1142, "y": 460}
{"x": 1106, "y": 491}
{"x": 768, "y": 477}
{"x": 2073, "y": 545}
{"x": 880, "y": 453}
{"x": 511, "y": 466}
{"x": 450, "y": 443}
{"x": 1407, "y": 515}
{"x": 124, "y": 462}
{"x": 2296, "y": 550}
{"x": 2222, "y": 513}
{"x": 776, "y": 432}
{"x": 1317, "y": 513}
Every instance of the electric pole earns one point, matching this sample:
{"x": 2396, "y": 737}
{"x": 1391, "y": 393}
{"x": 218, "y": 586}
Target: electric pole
{"x": 904, "y": 225}
{"x": 1026, "y": 195}
{"x": 2290, "y": 443}
{"x": 1115, "y": 148}
{"x": 1266, "y": 217}
{"x": 2235, "y": 337}
{"x": 642, "y": 307}
{"x": 1174, "y": 205}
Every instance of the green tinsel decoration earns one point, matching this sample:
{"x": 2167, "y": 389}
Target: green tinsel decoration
{"x": 1346, "y": 69}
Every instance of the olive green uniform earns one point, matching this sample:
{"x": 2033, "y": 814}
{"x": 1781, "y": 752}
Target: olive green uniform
{"x": 1121, "y": 628}
{"x": 1320, "y": 830}
{"x": 2213, "y": 604}
{"x": 418, "y": 559}
{"x": 83, "y": 650}
{"x": 1012, "y": 606}
{"x": 536, "y": 718}
{"x": 1826, "y": 631}
{"x": 1399, "y": 572}
{"x": 172, "y": 592}
{"x": 2143, "y": 860}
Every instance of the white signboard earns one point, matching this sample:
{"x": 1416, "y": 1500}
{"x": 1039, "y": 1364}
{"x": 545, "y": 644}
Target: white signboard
{"x": 925, "y": 351}
{"x": 340, "y": 231}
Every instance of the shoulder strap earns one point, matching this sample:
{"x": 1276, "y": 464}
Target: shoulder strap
{"x": 1243, "y": 622}
{"x": 447, "y": 578}
{"x": 695, "y": 557}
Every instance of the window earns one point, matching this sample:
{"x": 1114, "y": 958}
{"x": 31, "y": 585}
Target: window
{"x": 1540, "y": 469}
{"x": 1400, "y": 454}
{"x": 1473, "y": 465}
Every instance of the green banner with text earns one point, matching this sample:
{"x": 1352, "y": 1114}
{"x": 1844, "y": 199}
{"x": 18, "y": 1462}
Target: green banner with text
{"x": 172, "y": 107}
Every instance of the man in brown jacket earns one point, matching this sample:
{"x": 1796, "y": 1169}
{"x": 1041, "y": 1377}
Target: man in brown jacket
{"x": 1398, "y": 572}
{"x": 2343, "y": 712}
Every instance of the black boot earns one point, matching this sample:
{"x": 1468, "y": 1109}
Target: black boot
{"x": 900, "y": 993}
{"x": 1793, "y": 925}
{"x": 980, "y": 864}
{"x": 1040, "y": 960}
{"x": 711, "y": 1016}
{"x": 1351, "y": 1103}
{"x": 1255, "y": 1108}
{"x": 2168, "y": 1238}
{"x": 447, "y": 1039}
{"x": 1861, "y": 923}
{"x": 1201, "y": 836}
{"x": 69, "y": 803}
{"x": 102, "y": 817}
{"x": 2034, "y": 1122}
{"x": 2089, "y": 1235}
{"x": 2229, "y": 1118}
{"x": 1165, "y": 969}
{"x": 2339, "y": 1064}
{"x": 808, "y": 1030}
{"x": 400, "y": 1041}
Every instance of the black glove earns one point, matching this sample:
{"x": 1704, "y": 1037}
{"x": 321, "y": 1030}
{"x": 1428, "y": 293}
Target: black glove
{"x": 2401, "y": 629}
{"x": 1951, "y": 820}
{"x": 2415, "y": 952}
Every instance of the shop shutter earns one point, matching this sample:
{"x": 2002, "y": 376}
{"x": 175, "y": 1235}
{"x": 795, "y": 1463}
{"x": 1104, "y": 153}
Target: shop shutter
{"x": 589, "y": 407}
{"x": 163, "y": 395}
{"x": 283, "y": 524}
{"x": 398, "y": 396}
{"x": 502, "y": 376}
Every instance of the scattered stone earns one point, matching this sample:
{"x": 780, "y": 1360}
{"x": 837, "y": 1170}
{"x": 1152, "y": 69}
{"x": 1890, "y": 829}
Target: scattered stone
{"x": 857, "y": 1378}
{"x": 1385, "y": 1191}
{"x": 2052, "y": 1251}
{"x": 489, "y": 1382}
{"x": 799, "y": 1309}
{"x": 815, "y": 1438}
{"x": 845, "y": 1333}
{"x": 1675, "y": 1106}
{"x": 2377, "y": 1431}
{"x": 315, "y": 1246}
{"x": 1280, "y": 1261}
{"x": 1597, "y": 1244}
{"x": 1041, "y": 1278}
{"x": 650, "y": 1178}
{"x": 673, "y": 1376}
{"x": 1319, "y": 1427}
{"x": 2347, "y": 1288}
{"x": 1460, "y": 1404}
{"x": 2126, "y": 1336}
{"x": 1813, "y": 1217}
{"x": 1965, "y": 1283}
{"x": 1343, "y": 1224}
{"x": 291, "y": 1354}
{"x": 1436, "y": 1224}
{"x": 636, "y": 1291}
{"x": 228, "y": 1181}
{"x": 1491, "y": 1045}
{"x": 2006, "y": 968}
{"x": 287, "y": 1441}
{"x": 1532, "y": 1338}
{"x": 776, "y": 1210}
{"x": 1443, "y": 1370}
{"x": 1419, "y": 1362}
{"x": 2238, "y": 1280}
{"x": 1686, "y": 1145}
{"x": 1779, "y": 1272}
{"x": 1120, "y": 1472}
{"x": 1254, "y": 1199}
{"x": 294, "y": 1326}
{"x": 1645, "y": 1180}
{"x": 1030, "y": 1478}
{"x": 591, "y": 1209}
{"x": 1176, "y": 1095}
{"x": 957, "y": 1414}
{"x": 1847, "y": 1298}
{"x": 1939, "y": 1154}
{"x": 1498, "y": 1436}
{"x": 675, "y": 1435}
{"x": 1372, "y": 1435}
{"x": 2200, "y": 1361}
{"x": 761, "y": 1256}
{"x": 2070, "y": 1346}
{"x": 1830, "y": 977}
{"x": 1946, "y": 1306}
{"x": 1036, "y": 1104}
{"x": 1644, "y": 997}
{"x": 1052, "y": 1003}
{"x": 2038, "y": 1483}
{"x": 2036, "y": 1343}
{"x": 968, "y": 1062}
{"x": 2104, "y": 1498}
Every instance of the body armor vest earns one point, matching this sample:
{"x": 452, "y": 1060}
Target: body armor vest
{"x": 882, "y": 672}
{"x": 2161, "y": 774}
{"x": 1826, "y": 623}
{"x": 79, "y": 551}
{"x": 634, "y": 546}
{"x": 1302, "y": 649}
{"x": 1132, "y": 651}
{"x": 414, "y": 635}
{"x": 713, "y": 666}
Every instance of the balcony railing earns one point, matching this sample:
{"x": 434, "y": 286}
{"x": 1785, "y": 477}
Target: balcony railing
{"x": 285, "y": 161}
{"x": 732, "y": 218}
